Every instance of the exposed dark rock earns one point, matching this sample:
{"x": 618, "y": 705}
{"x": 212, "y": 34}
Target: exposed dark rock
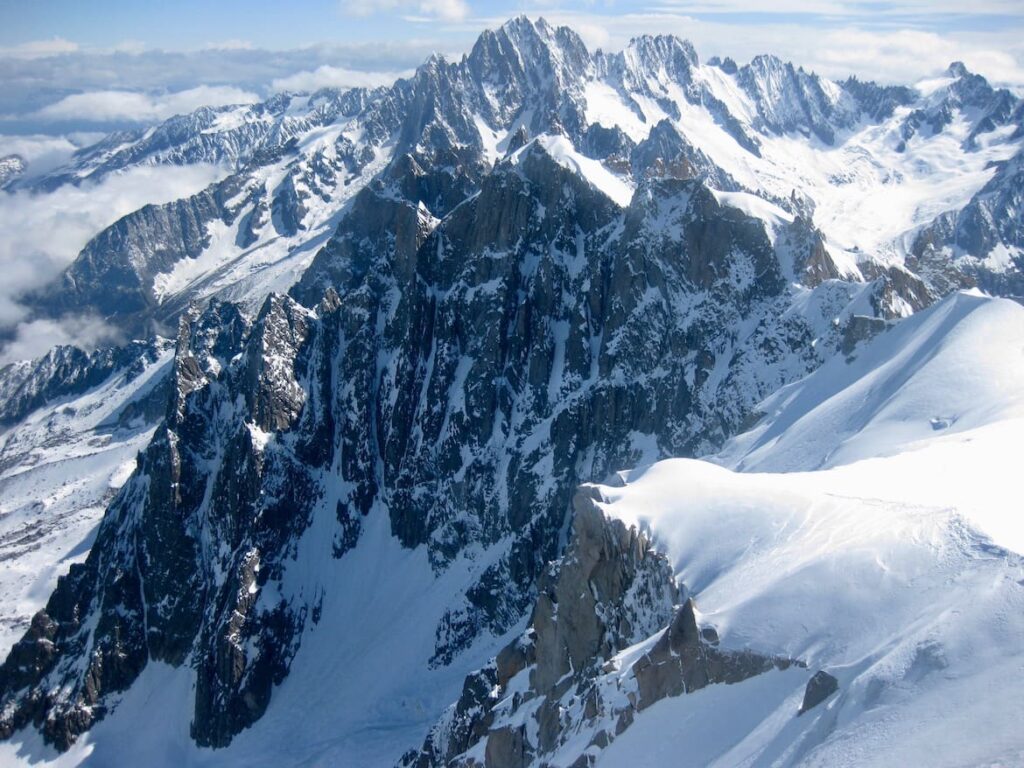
{"x": 683, "y": 661}
{"x": 860, "y": 328}
{"x": 608, "y": 591}
{"x": 819, "y": 687}
{"x": 582, "y": 615}
{"x": 804, "y": 245}
{"x": 508, "y": 747}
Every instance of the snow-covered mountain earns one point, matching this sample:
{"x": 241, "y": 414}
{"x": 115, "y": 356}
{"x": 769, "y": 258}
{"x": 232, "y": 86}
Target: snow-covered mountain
{"x": 845, "y": 596}
{"x": 410, "y": 322}
{"x": 72, "y": 426}
{"x": 932, "y": 168}
{"x": 11, "y": 167}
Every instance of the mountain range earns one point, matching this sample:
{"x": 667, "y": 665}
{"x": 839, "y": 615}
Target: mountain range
{"x": 547, "y": 407}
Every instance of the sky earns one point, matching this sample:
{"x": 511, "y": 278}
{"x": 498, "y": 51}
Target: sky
{"x": 189, "y": 24}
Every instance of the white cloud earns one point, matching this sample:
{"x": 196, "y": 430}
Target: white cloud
{"x": 906, "y": 55}
{"x": 70, "y": 216}
{"x": 333, "y": 77}
{"x": 448, "y": 10}
{"x": 445, "y": 9}
{"x": 229, "y": 45}
{"x": 33, "y": 339}
{"x": 38, "y": 49}
{"x": 133, "y": 47}
{"x": 131, "y": 106}
{"x": 42, "y": 153}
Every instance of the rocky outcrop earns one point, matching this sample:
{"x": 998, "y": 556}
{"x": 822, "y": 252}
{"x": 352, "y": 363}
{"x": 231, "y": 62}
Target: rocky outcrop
{"x": 608, "y": 591}
{"x": 819, "y": 687}
{"x": 560, "y": 689}
{"x": 803, "y": 248}
{"x": 861, "y": 328}
{"x": 66, "y": 371}
{"x": 686, "y": 658}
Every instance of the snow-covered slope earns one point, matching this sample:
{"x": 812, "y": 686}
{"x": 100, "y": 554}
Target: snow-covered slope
{"x": 361, "y": 693}
{"x": 896, "y": 565}
{"x": 61, "y": 464}
{"x": 953, "y": 368}
{"x": 895, "y": 571}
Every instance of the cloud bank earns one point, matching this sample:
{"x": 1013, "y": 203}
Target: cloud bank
{"x": 70, "y": 216}
{"x": 130, "y": 106}
{"x": 333, "y": 77}
{"x": 41, "y": 95}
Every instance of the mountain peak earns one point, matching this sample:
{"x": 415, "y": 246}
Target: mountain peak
{"x": 522, "y": 23}
{"x": 957, "y": 69}
{"x": 533, "y": 50}
{"x": 524, "y": 33}
{"x": 663, "y": 48}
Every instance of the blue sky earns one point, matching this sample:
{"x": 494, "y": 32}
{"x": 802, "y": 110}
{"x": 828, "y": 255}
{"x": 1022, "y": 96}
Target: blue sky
{"x": 190, "y": 24}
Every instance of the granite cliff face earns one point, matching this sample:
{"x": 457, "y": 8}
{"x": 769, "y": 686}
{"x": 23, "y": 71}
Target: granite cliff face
{"x": 462, "y": 300}
{"x": 463, "y": 379}
{"x": 561, "y": 692}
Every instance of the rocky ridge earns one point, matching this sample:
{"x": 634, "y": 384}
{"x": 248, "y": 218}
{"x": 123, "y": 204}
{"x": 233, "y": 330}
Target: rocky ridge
{"x": 563, "y": 691}
{"x": 298, "y": 162}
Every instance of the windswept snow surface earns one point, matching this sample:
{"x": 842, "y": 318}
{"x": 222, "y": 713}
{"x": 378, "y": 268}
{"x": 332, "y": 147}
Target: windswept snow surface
{"x": 884, "y": 548}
